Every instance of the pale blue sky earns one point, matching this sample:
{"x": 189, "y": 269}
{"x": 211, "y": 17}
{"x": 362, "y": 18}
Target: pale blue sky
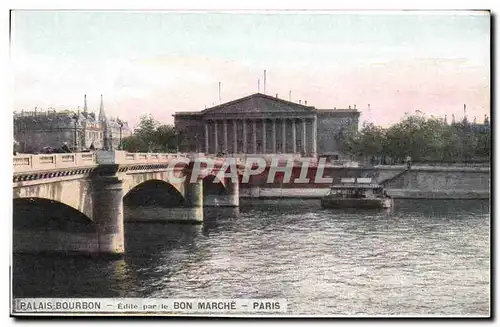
{"x": 164, "y": 62}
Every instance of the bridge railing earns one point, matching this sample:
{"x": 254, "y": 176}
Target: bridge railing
{"x": 32, "y": 162}
{"x": 132, "y": 158}
{"x": 152, "y": 157}
{"x": 23, "y": 163}
{"x": 29, "y": 162}
{"x": 127, "y": 158}
{"x": 123, "y": 157}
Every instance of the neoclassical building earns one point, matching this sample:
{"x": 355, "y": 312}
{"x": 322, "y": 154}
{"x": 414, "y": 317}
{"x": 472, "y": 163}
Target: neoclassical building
{"x": 262, "y": 124}
{"x": 35, "y": 130}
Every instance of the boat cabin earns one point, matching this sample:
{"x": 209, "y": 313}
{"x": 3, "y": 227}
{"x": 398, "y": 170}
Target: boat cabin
{"x": 357, "y": 188}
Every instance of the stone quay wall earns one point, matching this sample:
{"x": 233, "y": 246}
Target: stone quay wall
{"x": 420, "y": 182}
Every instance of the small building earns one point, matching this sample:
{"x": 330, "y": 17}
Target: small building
{"x": 262, "y": 124}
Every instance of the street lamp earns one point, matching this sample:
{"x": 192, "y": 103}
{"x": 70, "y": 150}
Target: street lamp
{"x": 177, "y": 140}
{"x": 120, "y": 123}
{"x": 75, "y": 117}
{"x": 111, "y": 147}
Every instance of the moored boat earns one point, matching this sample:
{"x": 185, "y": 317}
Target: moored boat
{"x": 356, "y": 193}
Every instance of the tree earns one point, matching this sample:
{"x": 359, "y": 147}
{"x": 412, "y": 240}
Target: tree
{"x": 134, "y": 143}
{"x": 432, "y": 131}
{"x": 483, "y": 143}
{"x": 147, "y": 127}
{"x": 151, "y": 136}
{"x": 165, "y": 137}
{"x": 349, "y": 141}
{"x": 371, "y": 140}
{"x": 421, "y": 138}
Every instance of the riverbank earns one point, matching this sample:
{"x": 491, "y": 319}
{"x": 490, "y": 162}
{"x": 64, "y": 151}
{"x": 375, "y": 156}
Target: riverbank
{"x": 420, "y": 182}
{"x": 318, "y": 193}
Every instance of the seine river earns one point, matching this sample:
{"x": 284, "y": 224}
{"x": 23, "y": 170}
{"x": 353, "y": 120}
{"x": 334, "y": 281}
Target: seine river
{"x": 422, "y": 258}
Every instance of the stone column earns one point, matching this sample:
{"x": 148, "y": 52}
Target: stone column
{"x": 206, "y": 136}
{"x": 194, "y": 200}
{"x": 244, "y": 136}
{"x": 283, "y": 136}
{"x": 304, "y": 135}
{"x": 254, "y": 135}
{"x": 107, "y": 212}
{"x": 235, "y": 137}
{"x": 264, "y": 136}
{"x": 232, "y": 199}
{"x": 274, "y": 135}
{"x": 216, "y": 138}
{"x": 225, "y": 136}
{"x": 315, "y": 135}
{"x": 294, "y": 136}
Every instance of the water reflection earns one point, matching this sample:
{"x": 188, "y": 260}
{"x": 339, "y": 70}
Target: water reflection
{"x": 219, "y": 218}
{"x": 71, "y": 276}
{"x": 158, "y": 251}
{"x": 155, "y": 214}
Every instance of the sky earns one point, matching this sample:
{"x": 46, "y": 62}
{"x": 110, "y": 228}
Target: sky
{"x": 385, "y": 63}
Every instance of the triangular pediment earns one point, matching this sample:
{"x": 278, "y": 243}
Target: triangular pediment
{"x": 258, "y": 103}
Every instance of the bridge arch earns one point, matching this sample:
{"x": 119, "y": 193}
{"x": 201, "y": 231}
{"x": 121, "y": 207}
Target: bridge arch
{"x": 220, "y": 193}
{"x": 212, "y": 185}
{"x": 75, "y": 193}
{"x": 154, "y": 192}
{"x": 32, "y": 212}
{"x": 44, "y": 225}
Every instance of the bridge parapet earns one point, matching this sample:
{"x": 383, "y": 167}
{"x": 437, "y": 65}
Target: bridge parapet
{"x": 30, "y": 162}
{"x": 33, "y": 163}
{"x": 126, "y": 158}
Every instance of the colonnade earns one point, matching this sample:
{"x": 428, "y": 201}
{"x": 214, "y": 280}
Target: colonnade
{"x": 221, "y": 142}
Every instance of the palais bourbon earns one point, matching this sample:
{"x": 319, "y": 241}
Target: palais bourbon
{"x": 260, "y": 124}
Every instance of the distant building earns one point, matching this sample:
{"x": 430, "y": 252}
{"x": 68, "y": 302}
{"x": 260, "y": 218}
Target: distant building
{"x": 261, "y": 124}
{"x": 472, "y": 126}
{"x": 36, "y": 130}
{"x": 481, "y": 128}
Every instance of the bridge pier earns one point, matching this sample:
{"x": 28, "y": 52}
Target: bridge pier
{"x": 194, "y": 202}
{"x": 107, "y": 203}
{"x": 231, "y": 198}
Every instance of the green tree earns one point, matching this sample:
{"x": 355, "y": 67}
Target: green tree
{"x": 349, "y": 141}
{"x": 165, "y": 138}
{"x": 483, "y": 147}
{"x": 134, "y": 143}
{"x": 422, "y": 138}
{"x": 371, "y": 140}
{"x": 151, "y": 136}
{"x": 146, "y": 128}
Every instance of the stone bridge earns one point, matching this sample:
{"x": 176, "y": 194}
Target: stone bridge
{"x": 97, "y": 184}
{"x": 75, "y": 201}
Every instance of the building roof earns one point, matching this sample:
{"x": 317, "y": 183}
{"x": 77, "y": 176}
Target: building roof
{"x": 259, "y": 103}
{"x": 255, "y": 103}
{"x": 338, "y": 110}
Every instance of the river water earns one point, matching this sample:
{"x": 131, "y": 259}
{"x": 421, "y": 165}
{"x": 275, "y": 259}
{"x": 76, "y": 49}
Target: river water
{"x": 420, "y": 258}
